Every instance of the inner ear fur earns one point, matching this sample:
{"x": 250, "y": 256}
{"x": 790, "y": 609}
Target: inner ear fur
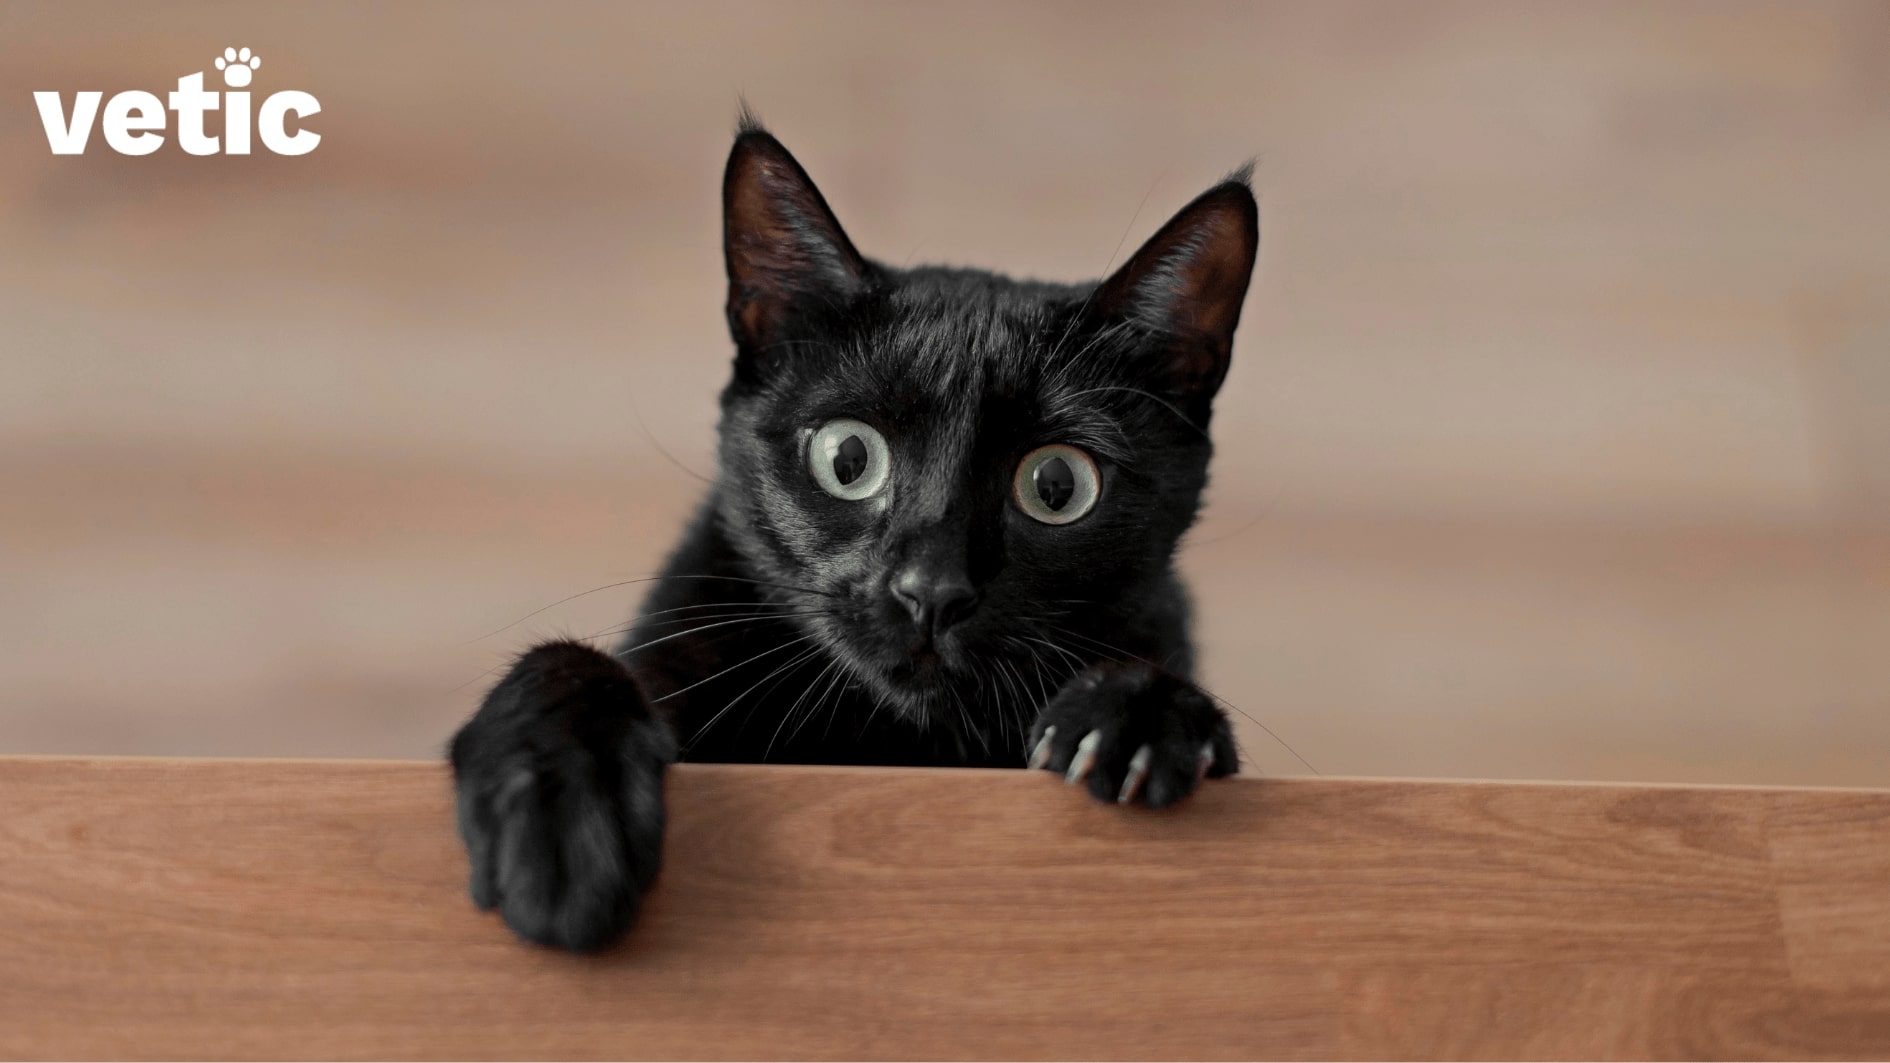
{"x": 1187, "y": 283}
{"x": 783, "y": 245}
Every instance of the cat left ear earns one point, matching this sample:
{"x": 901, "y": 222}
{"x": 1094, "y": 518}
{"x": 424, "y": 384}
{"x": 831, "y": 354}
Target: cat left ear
{"x": 784, "y": 247}
{"x": 1187, "y": 283}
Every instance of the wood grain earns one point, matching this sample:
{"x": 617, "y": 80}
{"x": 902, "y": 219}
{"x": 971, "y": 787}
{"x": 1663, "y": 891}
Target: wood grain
{"x": 155, "y": 908}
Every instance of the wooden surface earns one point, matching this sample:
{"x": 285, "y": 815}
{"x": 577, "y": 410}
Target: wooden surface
{"x": 316, "y": 909}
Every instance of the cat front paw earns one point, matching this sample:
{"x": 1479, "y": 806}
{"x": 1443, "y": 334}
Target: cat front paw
{"x": 559, "y": 780}
{"x": 1130, "y": 731}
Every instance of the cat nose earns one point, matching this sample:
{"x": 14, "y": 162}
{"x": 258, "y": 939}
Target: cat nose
{"x": 936, "y": 601}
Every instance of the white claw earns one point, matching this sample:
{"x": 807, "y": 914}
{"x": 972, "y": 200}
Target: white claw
{"x": 1041, "y": 755}
{"x": 1138, "y": 772}
{"x": 1207, "y": 760}
{"x": 1085, "y": 758}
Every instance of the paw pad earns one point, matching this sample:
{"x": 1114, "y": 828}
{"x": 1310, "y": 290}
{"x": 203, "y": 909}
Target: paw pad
{"x": 236, "y": 66}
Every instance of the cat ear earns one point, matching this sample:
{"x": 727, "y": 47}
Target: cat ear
{"x": 784, "y": 247}
{"x": 1188, "y": 281}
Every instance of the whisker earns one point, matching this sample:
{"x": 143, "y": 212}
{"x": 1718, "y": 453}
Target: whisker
{"x": 707, "y": 627}
{"x": 619, "y": 629}
{"x": 970, "y": 729}
{"x": 1036, "y": 668}
{"x": 1080, "y": 662}
{"x": 559, "y": 602}
{"x": 797, "y": 660}
{"x": 1164, "y": 403}
{"x": 750, "y": 614}
{"x": 839, "y": 678}
{"x": 487, "y": 674}
{"x": 747, "y": 660}
{"x": 645, "y": 579}
{"x": 1107, "y": 266}
{"x": 749, "y": 716}
{"x": 785, "y": 717}
{"x": 1021, "y": 707}
{"x": 660, "y": 448}
{"x": 714, "y": 605}
{"x": 616, "y": 630}
{"x": 1223, "y": 701}
{"x": 879, "y": 702}
{"x": 999, "y": 702}
{"x": 1198, "y": 544}
{"x": 980, "y": 732}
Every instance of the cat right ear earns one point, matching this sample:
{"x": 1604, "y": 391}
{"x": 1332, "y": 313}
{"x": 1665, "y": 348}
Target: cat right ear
{"x": 785, "y": 249}
{"x": 1186, "y": 285}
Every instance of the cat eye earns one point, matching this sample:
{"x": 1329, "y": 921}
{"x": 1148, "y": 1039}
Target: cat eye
{"x": 1056, "y": 484}
{"x": 849, "y": 460}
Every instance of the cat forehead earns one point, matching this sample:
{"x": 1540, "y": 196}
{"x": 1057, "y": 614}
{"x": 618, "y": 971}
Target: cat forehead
{"x": 955, "y": 331}
{"x": 950, "y": 364}
{"x": 950, "y": 354}
{"x": 943, "y": 401}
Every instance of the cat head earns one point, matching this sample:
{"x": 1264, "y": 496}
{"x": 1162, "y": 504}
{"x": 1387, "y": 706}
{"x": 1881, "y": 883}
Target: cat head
{"x": 955, "y": 473}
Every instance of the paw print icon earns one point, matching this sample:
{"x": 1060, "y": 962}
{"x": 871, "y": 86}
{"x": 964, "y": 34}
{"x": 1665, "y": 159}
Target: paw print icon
{"x": 236, "y": 66}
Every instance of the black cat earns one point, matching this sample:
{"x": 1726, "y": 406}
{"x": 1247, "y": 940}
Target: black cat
{"x": 943, "y": 534}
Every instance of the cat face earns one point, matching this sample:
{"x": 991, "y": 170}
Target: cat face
{"x": 948, "y": 471}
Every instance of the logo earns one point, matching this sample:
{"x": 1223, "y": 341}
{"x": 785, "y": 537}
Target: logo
{"x": 135, "y": 122}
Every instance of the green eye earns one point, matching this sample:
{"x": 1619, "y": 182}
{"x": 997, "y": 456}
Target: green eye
{"x": 1056, "y": 484}
{"x": 849, "y": 460}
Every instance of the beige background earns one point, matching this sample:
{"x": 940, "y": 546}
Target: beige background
{"x": 1557, "y": 442}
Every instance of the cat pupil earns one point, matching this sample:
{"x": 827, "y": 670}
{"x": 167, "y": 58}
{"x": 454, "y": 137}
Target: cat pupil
{"x": 849, "y": 459}
{"x": 1055, "y": 483}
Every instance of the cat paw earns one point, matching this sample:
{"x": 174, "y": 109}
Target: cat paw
{"x": 559, "y": 780}
{"x": 1132, "y": 732}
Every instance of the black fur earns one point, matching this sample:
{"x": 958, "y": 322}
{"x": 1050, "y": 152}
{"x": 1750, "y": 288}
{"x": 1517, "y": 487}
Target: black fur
{"x": 934, "y": 623}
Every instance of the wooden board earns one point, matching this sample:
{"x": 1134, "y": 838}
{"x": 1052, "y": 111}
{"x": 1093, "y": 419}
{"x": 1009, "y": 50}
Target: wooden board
{"x": 316, "y": 909}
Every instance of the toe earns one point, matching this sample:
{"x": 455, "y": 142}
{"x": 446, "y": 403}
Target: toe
{"x": 1137, "y": 775}
{"x": 1085, "y": 759}
{"x": 1040, "y": 756}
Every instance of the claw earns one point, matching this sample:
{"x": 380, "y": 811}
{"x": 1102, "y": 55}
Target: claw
{"x": 1085, "y": 758}
{"x": 1138, "y": 771}
{"x": 1207, "y": 761}
{"x": 1041, "y": 755}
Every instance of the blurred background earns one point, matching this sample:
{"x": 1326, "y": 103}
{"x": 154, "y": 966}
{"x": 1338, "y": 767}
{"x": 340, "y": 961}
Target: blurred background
{"x": 1557, "y": 443}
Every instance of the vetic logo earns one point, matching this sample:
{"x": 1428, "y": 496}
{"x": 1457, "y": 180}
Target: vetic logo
{"x": 133, "y": 120}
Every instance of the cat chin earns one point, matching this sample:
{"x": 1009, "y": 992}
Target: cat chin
{"x": 915, "y": 691}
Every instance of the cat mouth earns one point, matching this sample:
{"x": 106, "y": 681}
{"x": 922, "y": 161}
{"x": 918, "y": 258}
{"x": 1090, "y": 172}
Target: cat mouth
{"x": 924, "y": 652}
{"x": 919, "y": 667}
{"x": 920, "y": 662}
{"x": 914, "y": 674}
{"x": 910, "y": 668}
